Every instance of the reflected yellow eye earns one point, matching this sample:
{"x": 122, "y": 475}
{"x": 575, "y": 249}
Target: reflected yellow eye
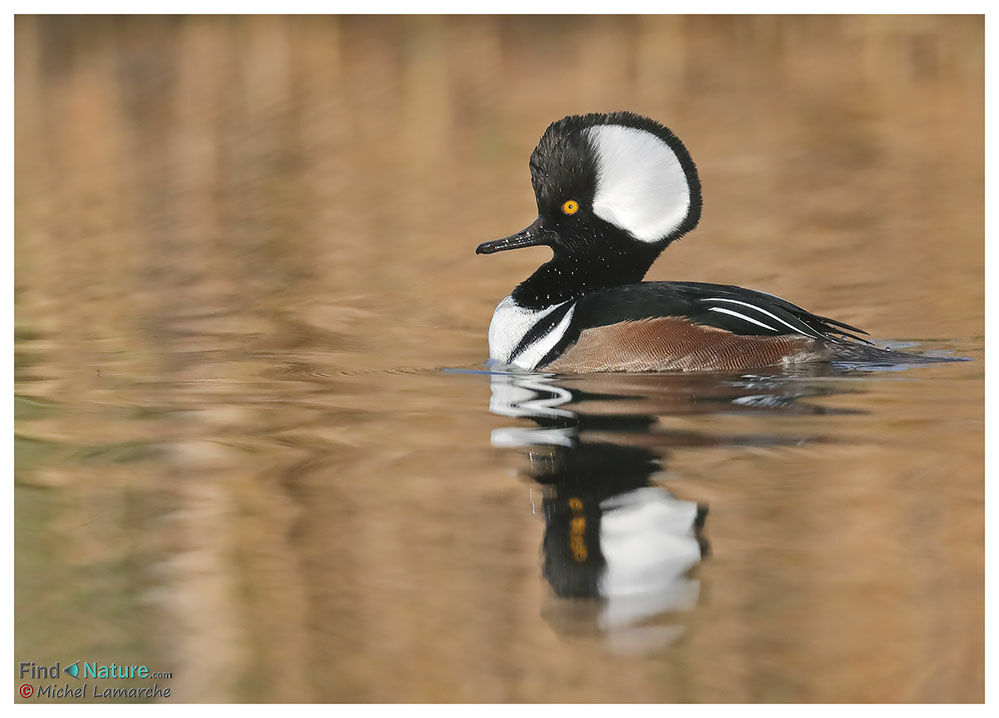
{"x": 571, "y": 206}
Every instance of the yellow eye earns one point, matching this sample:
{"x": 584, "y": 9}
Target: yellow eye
{"x": 570, "y": 207}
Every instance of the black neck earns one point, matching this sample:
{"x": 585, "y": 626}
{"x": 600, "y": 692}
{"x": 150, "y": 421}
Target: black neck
{"x": 571, "y": 274}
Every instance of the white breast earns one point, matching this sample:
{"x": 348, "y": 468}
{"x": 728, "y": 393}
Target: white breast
{"x": 509, "y": 325}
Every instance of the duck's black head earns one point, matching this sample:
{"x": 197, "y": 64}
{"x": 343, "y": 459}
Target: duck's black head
{"x": 613, "y": 190}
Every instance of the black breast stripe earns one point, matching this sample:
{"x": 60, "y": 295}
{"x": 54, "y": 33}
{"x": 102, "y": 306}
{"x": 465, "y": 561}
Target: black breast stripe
{"x": 540, "y": 329}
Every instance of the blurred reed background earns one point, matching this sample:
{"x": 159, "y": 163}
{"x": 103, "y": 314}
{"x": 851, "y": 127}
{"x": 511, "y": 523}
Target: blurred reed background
{"x": 238, "y": 241}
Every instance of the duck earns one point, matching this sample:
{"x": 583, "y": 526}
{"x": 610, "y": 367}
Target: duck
{"x": 613, "y": 191}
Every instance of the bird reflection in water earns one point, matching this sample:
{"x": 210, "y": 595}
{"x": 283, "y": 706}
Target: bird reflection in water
{"x": 619, "y": 550}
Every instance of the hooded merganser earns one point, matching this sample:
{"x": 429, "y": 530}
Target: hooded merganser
{"x": 613, "y": 191}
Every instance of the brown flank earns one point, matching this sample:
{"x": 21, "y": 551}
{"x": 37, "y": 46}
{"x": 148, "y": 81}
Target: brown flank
{"x": 675, "y": 344}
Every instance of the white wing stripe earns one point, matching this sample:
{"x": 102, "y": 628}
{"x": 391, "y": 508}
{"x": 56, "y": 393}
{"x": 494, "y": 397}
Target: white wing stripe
{"x": 807, "y": 330}
{"x": 741, "y": 316}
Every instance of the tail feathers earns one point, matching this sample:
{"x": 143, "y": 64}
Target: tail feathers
{"x": 868, "y": 354}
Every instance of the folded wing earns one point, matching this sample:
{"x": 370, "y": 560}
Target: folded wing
{"x": 689, "y": 326}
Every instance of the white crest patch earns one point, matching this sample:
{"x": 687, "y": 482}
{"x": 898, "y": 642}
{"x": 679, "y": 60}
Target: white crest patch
{"x": 509, "y": 325}
{"x": 641, "y": 186}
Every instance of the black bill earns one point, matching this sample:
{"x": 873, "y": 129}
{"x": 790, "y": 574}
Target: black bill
{"x": 528, "y": 237}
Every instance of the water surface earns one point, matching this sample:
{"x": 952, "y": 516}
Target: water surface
{"x": 255, "y": 442}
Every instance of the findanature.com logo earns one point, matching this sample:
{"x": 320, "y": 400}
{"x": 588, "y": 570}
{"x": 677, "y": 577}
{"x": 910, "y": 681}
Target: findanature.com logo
{"x": 29, "y": 670}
